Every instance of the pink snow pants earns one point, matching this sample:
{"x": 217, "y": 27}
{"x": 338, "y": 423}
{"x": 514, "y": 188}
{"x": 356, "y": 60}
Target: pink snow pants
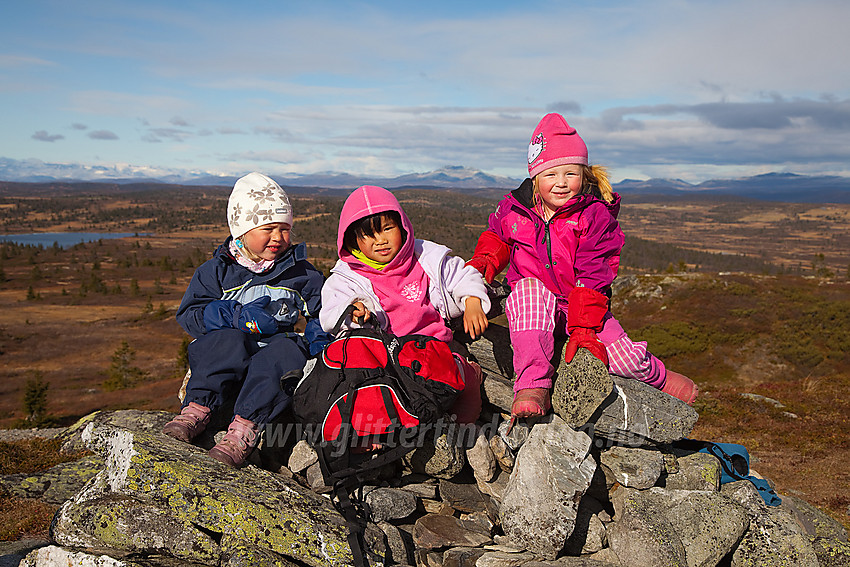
{"x": 535, "y": 316}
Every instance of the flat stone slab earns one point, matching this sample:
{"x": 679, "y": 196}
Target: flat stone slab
{"x": 638, "y": 414}
{"x": 433, "y": 531}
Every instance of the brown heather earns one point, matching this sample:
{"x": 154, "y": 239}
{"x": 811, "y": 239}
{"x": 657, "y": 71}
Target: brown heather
{"x": 744, "y": 297}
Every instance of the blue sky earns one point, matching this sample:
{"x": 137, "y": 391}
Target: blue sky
{"x": 662, "y": 88}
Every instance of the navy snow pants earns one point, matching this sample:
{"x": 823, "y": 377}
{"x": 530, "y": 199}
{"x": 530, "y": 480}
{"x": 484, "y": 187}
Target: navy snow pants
{"x": 229, "y": 357}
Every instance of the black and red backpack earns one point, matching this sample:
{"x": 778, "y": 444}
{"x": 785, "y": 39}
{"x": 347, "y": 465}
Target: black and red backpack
{"x": 370, "y": 387}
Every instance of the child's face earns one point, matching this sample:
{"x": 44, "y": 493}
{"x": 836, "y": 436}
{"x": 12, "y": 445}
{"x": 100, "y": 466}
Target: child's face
{"x": 383, "y": 246}
{"x": 268, "y": 241}
{"x": 559, "y": 184}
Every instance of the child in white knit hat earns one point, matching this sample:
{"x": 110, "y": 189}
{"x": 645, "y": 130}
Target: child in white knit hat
{"x": 241, "y": 308}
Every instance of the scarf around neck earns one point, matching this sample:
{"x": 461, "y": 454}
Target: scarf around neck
{"x": 243, "y": 260}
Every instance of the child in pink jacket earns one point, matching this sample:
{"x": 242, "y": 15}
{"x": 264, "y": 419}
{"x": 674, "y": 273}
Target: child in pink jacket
{"x": 407, "y": 285}
{"x": 559, "y": 231}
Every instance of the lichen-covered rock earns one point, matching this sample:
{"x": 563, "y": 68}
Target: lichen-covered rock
{"x": 269, "y": 511}
{"x": 814, "y": 522}
{"x": 581, "y": 386}
{"x": 774, "y": 537}
{"x": 708, "y": 524}
{"x": 641, "y": 534}
{"x": 54, "y": 556}
{"x": 552, "y": 472}
{"x": 241, "y": 553}
{"x": 57, "y": 484}
{"x": 632, "y": 467}
{"x": 131, "y": 420}
{"x": 641, "y": 415}
{"x": 831, "y": 552}
{"x": 156, "y": 502}
{"x": 129, "y": 526}
{"x": 694, "y": 471}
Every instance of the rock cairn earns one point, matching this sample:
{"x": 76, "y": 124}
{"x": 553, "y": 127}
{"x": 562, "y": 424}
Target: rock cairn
{"x": 597, "y": 482}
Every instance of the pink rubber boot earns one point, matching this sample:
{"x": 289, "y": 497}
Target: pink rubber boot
{"x": 467, "y": 406}
{"x": 193, "y": 419}
{"x": 681, "y": 387}
{"x": 241, "y": 438}
{"x": 531, "y": 402}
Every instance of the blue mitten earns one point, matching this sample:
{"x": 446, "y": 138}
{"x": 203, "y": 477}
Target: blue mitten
{"x": 218, "y": 314}
{"x": 252, "y": 318}
{"x": 316, "y": 337}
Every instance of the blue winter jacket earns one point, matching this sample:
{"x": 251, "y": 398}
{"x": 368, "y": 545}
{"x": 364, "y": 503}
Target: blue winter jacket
{"x": 293, "y": 285}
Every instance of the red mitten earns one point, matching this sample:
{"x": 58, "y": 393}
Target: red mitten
{"x": 586, "y": 309}
{"x": 491, "y": 255}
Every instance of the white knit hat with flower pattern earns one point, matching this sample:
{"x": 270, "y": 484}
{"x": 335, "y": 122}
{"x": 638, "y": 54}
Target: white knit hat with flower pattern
{"x": 256, "y": 200}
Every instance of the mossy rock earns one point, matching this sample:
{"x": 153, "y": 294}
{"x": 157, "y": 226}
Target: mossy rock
{"x": 581, "y": 386}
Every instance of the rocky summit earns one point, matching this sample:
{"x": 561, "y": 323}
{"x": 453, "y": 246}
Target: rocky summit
{"x": 601, "y": 481}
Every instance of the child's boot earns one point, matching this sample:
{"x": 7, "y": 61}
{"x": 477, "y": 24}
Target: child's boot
{"x": 467, "y": 406}
{"x": 193, "y": 419}
{"x": 531, "y": 402}
{"x": 241, "y": 438}
{"x": 681, "y": 387}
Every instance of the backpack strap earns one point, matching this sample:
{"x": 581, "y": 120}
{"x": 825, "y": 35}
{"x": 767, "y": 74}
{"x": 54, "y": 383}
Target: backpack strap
{"x": 348, "y": 489}
{"x": 349, "y": 311}
{"x": 734, "y": 463}
{"x": 355, "y": 518}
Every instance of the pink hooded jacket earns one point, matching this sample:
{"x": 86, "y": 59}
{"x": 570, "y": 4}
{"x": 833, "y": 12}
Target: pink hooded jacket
{"x": 579, "y": 246}
{"x": 450, "y": 281}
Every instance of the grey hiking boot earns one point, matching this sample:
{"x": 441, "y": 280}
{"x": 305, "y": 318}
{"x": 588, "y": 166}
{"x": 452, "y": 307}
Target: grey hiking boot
{"x": 193, "y": 419}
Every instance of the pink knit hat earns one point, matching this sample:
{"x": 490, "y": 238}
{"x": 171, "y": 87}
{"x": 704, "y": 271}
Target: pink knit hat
{"x": 553, "y": 143}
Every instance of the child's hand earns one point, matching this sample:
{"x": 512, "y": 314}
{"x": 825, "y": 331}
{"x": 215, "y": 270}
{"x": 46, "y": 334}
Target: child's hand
{"x": 360, "y": 314}
{"x": 474, "y": 319}
{"x": 252, "y": 318}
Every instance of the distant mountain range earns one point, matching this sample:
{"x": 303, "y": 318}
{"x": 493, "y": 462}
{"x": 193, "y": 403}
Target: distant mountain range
{"x": 785, "y": 187}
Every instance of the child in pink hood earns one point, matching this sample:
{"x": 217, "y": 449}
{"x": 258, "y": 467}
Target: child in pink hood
{"x": 560, "y": 233}
{"x": 405, "y": 285}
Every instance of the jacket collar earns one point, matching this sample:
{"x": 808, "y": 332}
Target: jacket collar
{"x": 524, "y": 196}
{"x": 293, "y": 254}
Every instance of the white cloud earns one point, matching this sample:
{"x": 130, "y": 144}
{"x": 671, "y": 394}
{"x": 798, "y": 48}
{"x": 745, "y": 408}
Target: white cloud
{"x": 43, "y": 136}
{"x": 684, "y": 85}
{"x": 9, "y": 61}
{"x": 102, "y": 135}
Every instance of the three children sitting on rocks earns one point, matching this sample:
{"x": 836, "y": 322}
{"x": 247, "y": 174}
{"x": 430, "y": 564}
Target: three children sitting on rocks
{"x": 557, "y": 231}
